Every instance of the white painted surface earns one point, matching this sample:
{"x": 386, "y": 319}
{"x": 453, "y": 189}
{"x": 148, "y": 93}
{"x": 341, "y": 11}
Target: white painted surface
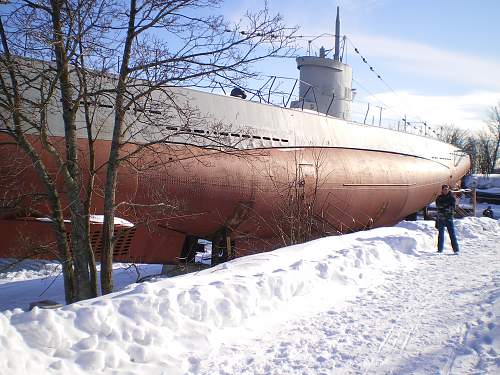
{"x": 206, "y": 119}
{"x": 321, "y": 80}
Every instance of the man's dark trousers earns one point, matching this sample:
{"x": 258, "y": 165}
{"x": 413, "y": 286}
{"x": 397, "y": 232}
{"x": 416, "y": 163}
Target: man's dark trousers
{"x": 448, "y": 224}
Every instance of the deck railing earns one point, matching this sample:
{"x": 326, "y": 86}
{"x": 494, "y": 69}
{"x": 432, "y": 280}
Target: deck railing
{"x": 281, "y": 91}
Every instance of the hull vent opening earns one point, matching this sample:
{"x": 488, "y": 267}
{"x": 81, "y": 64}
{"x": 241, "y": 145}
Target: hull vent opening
{"x": 124, "y": 236}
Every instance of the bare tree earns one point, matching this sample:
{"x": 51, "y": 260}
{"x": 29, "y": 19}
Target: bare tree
{"x": 99, "y": 68}
{"x": 485, "y": 145}
{"x": 481, "y": 146}
{"x": 494, "y": 130}
{"x": 472, "y": 149}
{"x": 31, "y": 89}
{"x": 41, "y": 82}
{"x": 207, "y": 48}
{"x": 453, "y": 135}
{"x": 295, "y": 211}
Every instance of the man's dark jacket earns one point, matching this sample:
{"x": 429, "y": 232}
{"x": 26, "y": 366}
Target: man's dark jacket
{"x": 445, "y": 204}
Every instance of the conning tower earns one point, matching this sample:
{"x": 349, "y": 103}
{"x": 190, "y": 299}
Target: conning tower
{"x": 325, "y": 84}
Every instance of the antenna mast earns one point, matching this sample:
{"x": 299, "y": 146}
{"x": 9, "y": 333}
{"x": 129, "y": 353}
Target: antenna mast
{"x": 336, "y": 57}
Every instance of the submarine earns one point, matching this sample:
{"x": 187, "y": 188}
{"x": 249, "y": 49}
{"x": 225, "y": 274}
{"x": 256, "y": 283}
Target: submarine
{"x": 246, "y": 175}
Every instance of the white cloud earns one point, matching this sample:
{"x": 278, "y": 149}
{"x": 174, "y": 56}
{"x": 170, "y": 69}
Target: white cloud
{"x": 434, "y": 63}
{"x": 468, "y": 111}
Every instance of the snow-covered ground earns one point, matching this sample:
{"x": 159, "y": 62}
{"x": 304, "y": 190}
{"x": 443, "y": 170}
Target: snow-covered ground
{"x": 32, "y": 281}
{"x": 374, "y": 302}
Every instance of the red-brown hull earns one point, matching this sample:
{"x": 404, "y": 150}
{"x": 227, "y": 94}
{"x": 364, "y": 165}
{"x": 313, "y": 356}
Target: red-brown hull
{"x": 184, "y": 190}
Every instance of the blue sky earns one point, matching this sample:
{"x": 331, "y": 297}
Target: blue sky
{"x": 440, "y": 57}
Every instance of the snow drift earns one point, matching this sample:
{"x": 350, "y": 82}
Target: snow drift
{"x": 165, "y": 326}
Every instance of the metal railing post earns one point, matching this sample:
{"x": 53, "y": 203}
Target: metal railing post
{"x": 331, "y": 102}
{"x": 304, "y": 98}
{"x": 315, "y": 102}
{"x": 366, "y": 115}
{"x": 269, "y": 92}
{"x": 291, "y": 93}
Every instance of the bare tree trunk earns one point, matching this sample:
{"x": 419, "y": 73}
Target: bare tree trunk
{"x": 53, "y": 196}
{"x": 70, "y": 287}
{"x": 113, "y": 161}
{"x": 80, "y": 243}
{"x": 91, "y": 155}
{"x": 497, "y": 136}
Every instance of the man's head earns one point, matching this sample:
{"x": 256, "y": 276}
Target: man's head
{"x": 445, "y": 189}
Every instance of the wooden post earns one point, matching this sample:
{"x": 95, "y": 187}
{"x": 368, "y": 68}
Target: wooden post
{"x": 228, "y": 245}
{"x": 474, "y": 201}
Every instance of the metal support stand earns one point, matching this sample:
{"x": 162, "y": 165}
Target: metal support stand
{"x": 221, "y": 246}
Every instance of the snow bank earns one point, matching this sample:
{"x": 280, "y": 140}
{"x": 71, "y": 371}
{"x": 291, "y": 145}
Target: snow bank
{"x": 35, "y": 280}
{"x": 170, "y": 325}
{"x": 475, "y": 227}
{"x": 11, "y": 270}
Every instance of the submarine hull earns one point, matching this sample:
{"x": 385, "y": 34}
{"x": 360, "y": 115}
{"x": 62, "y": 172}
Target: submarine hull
{"x": 260, "y": 197}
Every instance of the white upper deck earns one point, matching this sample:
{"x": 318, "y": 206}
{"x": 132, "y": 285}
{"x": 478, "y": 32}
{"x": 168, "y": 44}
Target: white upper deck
{"x": 210, "y": 119}
{"x": 181, "y": 115}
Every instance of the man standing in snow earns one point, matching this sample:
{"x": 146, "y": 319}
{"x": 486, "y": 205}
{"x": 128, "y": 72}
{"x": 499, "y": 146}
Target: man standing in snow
{"x": 445, "y": 204}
